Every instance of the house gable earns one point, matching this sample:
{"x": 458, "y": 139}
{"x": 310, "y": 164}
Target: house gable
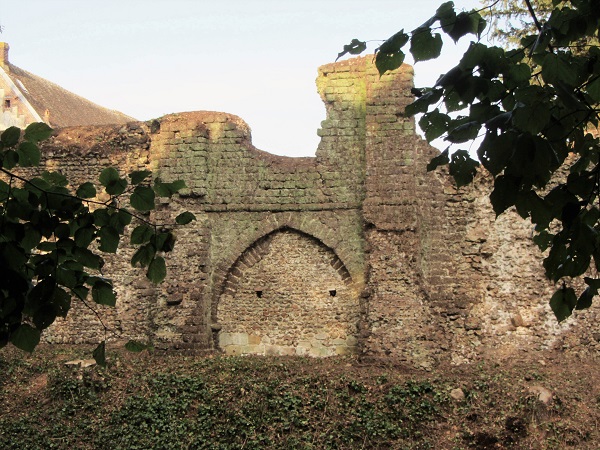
{"x": 28, "y": 98}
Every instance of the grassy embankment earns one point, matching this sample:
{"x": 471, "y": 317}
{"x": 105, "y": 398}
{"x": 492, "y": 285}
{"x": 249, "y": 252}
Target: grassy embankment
{"x": 147, "y": 401}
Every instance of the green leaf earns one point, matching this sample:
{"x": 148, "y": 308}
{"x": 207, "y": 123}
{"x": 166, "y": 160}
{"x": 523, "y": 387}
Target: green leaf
{"x": 504, "y": 195}
{"x": 495, "y": 151}
{"x": 103, "y": 293}
{"x": 25, "y": 337}
{"x": 424, "y": 45}
{"x": 44, "y": 316}
{"x": 439, "y": 160}
{"x": 37, "y": 132}
{"x": 164, "y": 242}
{"x": 157, "y": 270}
{"x": 141, "y": 234}
{"x": 55, "y": 179}
{"x": 62, "y": 301}
{"x": 142, "y": 198}
{"x": 66, "y": 277}
{"x": 554, "y": 263}
{"x": 475, "y": 55}
{"x": 593, "y": 283}
{"x": 355, "y": 47}
{"x": 462, "y": 167}
{"x": 517, "y": 75}
{"x": 4, "y": 191}
{"x": 388, "y": 61}
{"x": 139, "y": 175}
{"x": 99, "y": 354}
{"x": 135, "y": 346}
{"x": 559, "y": 198}
{"x": 185, "y": 218}
{"x": 389, "y": 56}
{"x": 465, "y": 23}
{"x": 84, "y": 236}
{"x": 394, "y": 44}
{"x": 120, "y": 219}
{"x": 144, "y": 255}
{"x": 556, "y": 67}
{"x": 168, "y": 189}
{"x": 46, "y": 246}
{"x": 10, "y": 159}
{"x": 562, "y": 303}
{"x": 530, "y": 204}
{"x": 114, "y": 185}
{"x": 434, "y": 124}
{"x": 532, "y": 118}
{"x": 586, "y": 298}
{"x": 86, "y": 190}
{"x": 109, "y": 239}
{"x": 422, "y": 104}
{"x": 446, "y": 9}
{"x": 88, "y": 258}
{"x": 31, "y": 238}
{"x": 10, "y": 137}
{"x": 446, "y": 15}
{"x": 29, "y": 154}
{"x": 463, "y": 133}
{"x": 62, "y": 231}
{"x": 593, "y": 89}
{"x": 582, "y": 183}
{"x": 543, "y": 240}
{"x": 451, "y": 77}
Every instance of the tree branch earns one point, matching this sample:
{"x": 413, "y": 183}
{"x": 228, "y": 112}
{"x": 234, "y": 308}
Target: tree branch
{"x": 532, "y": 13}
{"x": 106, "y": 204}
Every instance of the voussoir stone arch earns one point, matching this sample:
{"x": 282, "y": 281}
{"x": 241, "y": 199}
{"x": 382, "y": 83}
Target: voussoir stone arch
{"x": 348, "y": 260}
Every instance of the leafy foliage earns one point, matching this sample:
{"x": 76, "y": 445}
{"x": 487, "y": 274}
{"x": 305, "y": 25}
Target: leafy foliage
{"x": 511, "y": 20}
{"x": 229, "y": 403}
{"x": 535, "y": 106}
{"x": 49, "y": 236}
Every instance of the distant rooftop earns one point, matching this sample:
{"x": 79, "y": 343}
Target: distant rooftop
{"x": 52, "y": 103}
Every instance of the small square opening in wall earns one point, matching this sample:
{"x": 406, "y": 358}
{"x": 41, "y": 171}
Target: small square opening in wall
{"x": 7, "y": 102}
{"x": 259, "y": 294}
{"x": 332, "y": 292}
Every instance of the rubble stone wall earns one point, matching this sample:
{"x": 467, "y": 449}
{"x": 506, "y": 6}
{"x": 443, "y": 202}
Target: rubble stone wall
{"x": 355, "y": 250}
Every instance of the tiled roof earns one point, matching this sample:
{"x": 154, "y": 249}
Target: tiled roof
{"x": 65, "y": 108}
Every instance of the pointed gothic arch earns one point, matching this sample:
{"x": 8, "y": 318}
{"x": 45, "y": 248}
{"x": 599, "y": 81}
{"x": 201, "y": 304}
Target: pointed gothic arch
{"x": 288, "y": 293}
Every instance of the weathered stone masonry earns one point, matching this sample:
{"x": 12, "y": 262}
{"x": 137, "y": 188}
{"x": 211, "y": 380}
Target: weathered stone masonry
{"x": 357, "y": 250}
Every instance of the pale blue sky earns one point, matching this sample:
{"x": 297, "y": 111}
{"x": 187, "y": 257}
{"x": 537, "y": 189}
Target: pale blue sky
{"x": 257, "y": 59}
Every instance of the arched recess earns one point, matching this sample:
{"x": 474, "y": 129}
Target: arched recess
{"x": 346, "y": 249}
{"x": 288, "y": 294}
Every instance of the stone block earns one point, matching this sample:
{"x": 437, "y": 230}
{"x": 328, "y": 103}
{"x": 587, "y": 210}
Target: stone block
{"x": 254, "y": 339}
{"x": 233, "y": 339}
{"x": 342, "y": 350}
{"x": 303, "y": 348}
{"x": 351, "y": 341}
{"x": 321, "y": 352}
{"x": 271, "y": 350}
{"x": 232, "y": 350}
{"x": 253, "y": 349}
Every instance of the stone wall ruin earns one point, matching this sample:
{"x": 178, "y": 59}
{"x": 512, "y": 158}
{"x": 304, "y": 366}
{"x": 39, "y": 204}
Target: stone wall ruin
{"x": 357, "y": 250}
